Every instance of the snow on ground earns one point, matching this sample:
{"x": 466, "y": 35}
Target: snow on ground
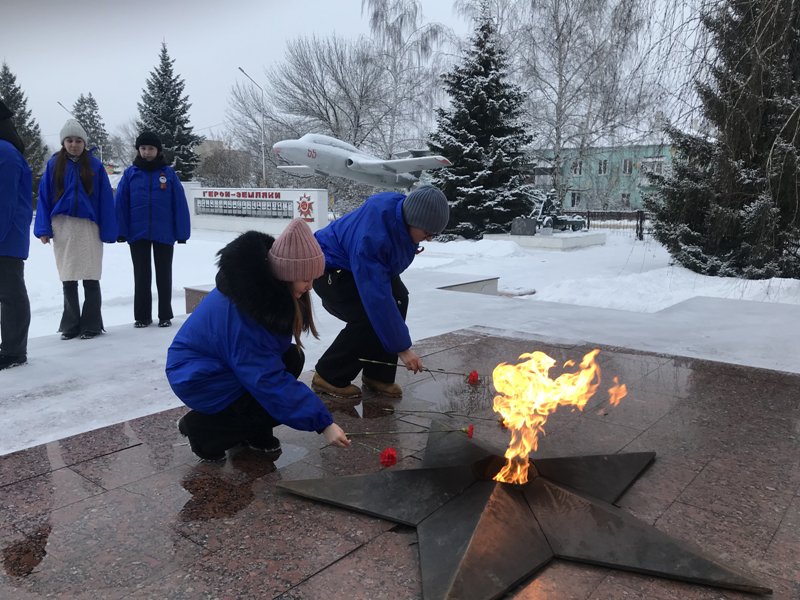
{"x": 624, "y": 293}
{"x": 624, "y": 274}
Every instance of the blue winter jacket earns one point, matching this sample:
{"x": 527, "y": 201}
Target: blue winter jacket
{"x": 220, "y": 353}
{"x": 373, "y": 243}
{"x": 151, "y": 209}
{"x": 75, "y": 202}
{"x": 16, "y": 202}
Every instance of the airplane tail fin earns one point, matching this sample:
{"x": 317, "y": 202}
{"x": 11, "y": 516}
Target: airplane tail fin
{"x": 414, "y": 153}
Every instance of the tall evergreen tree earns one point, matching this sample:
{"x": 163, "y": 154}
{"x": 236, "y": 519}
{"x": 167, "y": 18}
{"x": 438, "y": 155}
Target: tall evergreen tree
{"x": 165, "y": 110}
{"x": 87, "y": 112}
{"x": 731, "y": 205}
{"x": 483, "y": 136}
{"x": 35, "y": 149}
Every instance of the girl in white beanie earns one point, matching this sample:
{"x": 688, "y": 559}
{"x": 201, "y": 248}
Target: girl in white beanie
{"x": 76, "y": 211}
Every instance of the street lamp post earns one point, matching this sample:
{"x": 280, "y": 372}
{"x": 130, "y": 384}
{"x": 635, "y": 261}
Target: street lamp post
{"x": 263, "y": 130}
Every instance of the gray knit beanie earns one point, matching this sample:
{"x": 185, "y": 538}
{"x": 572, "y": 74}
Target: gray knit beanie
{"x": 73, "y": 129}
{"x": 296, "y": 255}
{"x": 426, "y": 208}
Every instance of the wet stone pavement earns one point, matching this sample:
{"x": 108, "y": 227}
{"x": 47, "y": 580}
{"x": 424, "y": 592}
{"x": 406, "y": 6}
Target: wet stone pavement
{"x": 127, "y": 512}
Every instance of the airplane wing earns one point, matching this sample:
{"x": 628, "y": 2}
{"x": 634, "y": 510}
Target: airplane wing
{"x": 398, "y": 165}
{"x": 297, "y": 169}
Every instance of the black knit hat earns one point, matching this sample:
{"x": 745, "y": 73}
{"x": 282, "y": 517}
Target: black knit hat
{"x": 426, "y": 208}
{"x": 5, "y": 112}
{"x": 148, "y": 138}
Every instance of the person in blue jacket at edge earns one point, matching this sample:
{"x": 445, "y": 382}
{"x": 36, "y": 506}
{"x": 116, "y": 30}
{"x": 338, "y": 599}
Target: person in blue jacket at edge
{"x": 76, "y": 211}
{"x": 16, "y": 212}
{"x": 365, "y": 253}
{"x": 152, "y": 214}
{"x": 233, "y": 362}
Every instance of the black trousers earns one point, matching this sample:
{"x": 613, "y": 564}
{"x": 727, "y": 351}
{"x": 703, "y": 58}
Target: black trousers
{"x": 340, "y": 363}
{"x": 15, "y": 307}
{"x": 143, "y": 279}
{"x": 76, "y": 320}
{"x": 243, "y": 421}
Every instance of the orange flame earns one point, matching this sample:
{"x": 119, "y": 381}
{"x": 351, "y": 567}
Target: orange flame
{"x": 527, "y": 395}
{"x": 617, "y": 392}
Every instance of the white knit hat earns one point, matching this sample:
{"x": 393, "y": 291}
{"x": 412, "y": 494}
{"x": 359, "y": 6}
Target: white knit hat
{"x": 73, "y": 129}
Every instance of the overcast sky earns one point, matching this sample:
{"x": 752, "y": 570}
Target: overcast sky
{"x": 59, "y": 49}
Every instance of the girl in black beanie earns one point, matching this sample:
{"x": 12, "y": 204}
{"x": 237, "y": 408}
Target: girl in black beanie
{"x": 152, "y": 215}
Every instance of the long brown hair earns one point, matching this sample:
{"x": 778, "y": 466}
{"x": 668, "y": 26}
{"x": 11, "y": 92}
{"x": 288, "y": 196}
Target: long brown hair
{"x": 303, "y": 317}
{"x": 61, "y": 166}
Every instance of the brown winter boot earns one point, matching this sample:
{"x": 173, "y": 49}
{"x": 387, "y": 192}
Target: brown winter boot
{"x": 318, "y": 384}
{"x": 390, "y": 390}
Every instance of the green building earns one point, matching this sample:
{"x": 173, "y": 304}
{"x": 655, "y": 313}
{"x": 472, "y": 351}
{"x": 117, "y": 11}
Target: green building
{"x": 603, "y": 178}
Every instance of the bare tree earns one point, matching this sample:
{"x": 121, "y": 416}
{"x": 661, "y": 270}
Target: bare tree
{"x": 247, "y": 115}
{"x": 403, "y": 47}
{"x": 121, "y": 144}
{"x": 223, "y": 166}
{"x": 506, "y": 15}
{"x": 594, "y": 70}
{"x": 586, "y": 84}
{"x": 330, "y": 85}
{"x": 376, "y": 94}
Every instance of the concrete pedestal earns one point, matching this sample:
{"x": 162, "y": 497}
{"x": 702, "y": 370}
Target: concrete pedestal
{"x": 556, "y": 241}
{"x": 194, "y": 295}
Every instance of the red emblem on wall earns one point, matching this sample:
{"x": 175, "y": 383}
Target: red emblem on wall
{"x": 305, "y": 206}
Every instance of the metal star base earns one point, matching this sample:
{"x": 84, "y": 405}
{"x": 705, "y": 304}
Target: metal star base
{"x": 479, "y": 538}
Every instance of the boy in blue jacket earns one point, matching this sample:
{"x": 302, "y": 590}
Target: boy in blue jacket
{"x": 233, "y": 361}
{"x": 365, "y": 253}
{"x": 16, "y": 212}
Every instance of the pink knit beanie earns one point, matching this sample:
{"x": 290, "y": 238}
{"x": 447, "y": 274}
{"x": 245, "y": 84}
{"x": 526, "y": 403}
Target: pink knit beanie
{"x": 296, "y": 255}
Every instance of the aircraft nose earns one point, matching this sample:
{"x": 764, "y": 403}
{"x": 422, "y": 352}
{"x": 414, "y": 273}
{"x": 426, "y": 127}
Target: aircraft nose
{"x": 276, "y": 148}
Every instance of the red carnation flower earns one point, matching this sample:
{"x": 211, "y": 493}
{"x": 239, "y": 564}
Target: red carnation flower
{"x": 389, "y": 457}
{"x": 473, "y": 378}
{"x": 469, "y": 430}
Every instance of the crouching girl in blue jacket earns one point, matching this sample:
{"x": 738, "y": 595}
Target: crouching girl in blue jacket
{"x": 233, "y": 361}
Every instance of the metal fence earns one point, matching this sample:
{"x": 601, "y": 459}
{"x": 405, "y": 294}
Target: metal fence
{"x": 635, "y": 221}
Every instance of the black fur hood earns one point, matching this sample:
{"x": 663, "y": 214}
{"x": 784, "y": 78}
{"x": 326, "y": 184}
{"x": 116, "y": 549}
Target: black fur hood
{"x": 245, "y": 277}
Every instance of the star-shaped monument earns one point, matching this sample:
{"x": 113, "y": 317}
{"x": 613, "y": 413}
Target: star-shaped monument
{"x": 479, "y": 538}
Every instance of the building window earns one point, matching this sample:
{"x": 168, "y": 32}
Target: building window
{"x": 653, "y": 165}
{"x": 602, "y": 167}
{"x": 627, "y": 166}
{"x": 575, "y": 199}
{"x": 577, "y": 167}
{"x": 626, "y": 200}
